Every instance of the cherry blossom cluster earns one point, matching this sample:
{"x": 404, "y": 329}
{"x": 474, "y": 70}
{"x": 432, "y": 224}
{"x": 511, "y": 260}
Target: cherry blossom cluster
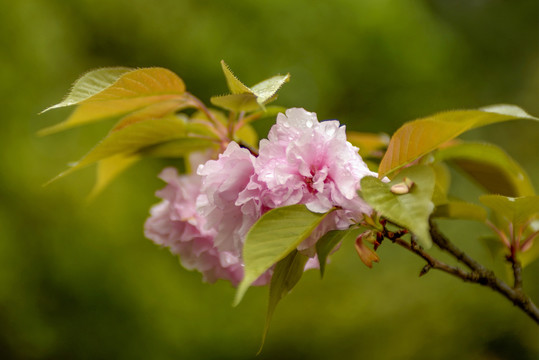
{"x": 205, "y": 217}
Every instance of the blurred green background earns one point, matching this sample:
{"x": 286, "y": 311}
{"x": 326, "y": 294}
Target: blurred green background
{"x": 79, "y": 281}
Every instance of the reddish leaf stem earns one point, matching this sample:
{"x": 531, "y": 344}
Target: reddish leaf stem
{"x": 221, "y": 129}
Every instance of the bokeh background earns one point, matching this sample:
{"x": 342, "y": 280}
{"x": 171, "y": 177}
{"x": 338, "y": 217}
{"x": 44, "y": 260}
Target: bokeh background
{"x": 79, "y": 281}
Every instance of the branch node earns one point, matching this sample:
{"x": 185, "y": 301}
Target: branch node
{"x": 478, "y": 273}
{"x": 425, "y": 270}
{"x": 517, "y": 271}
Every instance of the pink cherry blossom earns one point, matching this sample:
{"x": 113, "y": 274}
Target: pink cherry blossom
{"x": 307, "y": 162}
{"x": 175, "y": 223}
{"x": 222, "y": 181}
{"x": 205, "y": 217}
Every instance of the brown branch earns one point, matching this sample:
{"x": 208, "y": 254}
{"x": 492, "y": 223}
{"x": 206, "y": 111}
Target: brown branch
{"x": 443, "y": 243}
{"x": 517, "y": 271}
{"x": 478, "y": 273}
{"x": 432, "y": 263}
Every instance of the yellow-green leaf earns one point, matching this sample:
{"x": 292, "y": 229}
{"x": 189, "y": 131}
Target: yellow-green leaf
{"x": 234, "y": 84}
{"x": 286, "y": 275}
{"x": 236, "y": 102}
{"x": 275, "y": 235}
{"x": 177, "y": 148}
{"x": 410, "y": 210}
{"x": 132, "y": 138}
{"x": 266, "y": 90}
{"x": 369, "y": 144}
{"x": 443, "y": 181}
{"x": 516, "y": 210}
{"x": 131, "y": 91}
{"x": 519, "y": 213}
{"x": 419, "y": 137}
{"x": 530, "y": 255}
{"x": 90, "y": 84}
{"x": 154, "y": 111}
{"x": 460, "y": 210}
{"x": 269, "y": 112}
{"x": 108, "y": 169}
{"x": 490, "y": 166}
{"x": 243, "y": 98}
{"x": 247, "y": 135}
{"x": 327, "y": 243}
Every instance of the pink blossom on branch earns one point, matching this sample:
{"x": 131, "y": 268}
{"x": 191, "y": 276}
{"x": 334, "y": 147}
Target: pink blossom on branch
{"x": 222, "y": 181}
{"x": 205, "y": 218}
{"x": 175, "y": 223}
{"x": 307, "y": 162}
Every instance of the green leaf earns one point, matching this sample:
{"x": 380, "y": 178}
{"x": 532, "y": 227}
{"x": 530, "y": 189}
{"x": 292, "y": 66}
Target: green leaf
{"x": 266, "y": 90}
{"x": 154, "y": 111}
{"x": 90, "y": 84}
{"x": 202, "y": 129}
{"x": 529, "y": 256}
{"x": 460, "y": 210}
{"x": 234, "y": 84}
{"x": 247, "y": 135}
{"x": 370, "y": 145}
{"x": 410, "y": 210}
{"x": 507, "y": 109}
{"x": 419, "y": 137}
{"x": 327, "y": 243}
{"x": 490, "y": 166}
{"x": 177, "y": 148}
{"x": 270, "y": 112}
{"x": 236, "y": 102}
{"x": 275, "y": 235}
{"x": 108, "y": 169}
{"x": 443, "y": 181}
{"x": 132, "y": 138}
{"x": 517, "y": 211}
{"x": 132, "y": 90}
{"x": 248, "y": 99}
{"x": 286, "y": 275}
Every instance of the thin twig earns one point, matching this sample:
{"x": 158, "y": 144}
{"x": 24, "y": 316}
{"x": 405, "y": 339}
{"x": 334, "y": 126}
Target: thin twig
{"x": 443, "y": 243}
{"x": 517, "y": 272}
{"x": 432, "y": 263}
{"x": 478, "y": 274}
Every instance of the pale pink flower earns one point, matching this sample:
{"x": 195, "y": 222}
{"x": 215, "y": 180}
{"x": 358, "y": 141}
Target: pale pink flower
{"x": 307, "y": 162}
{"x": 222, "y": 181}
{"x": 175, "y": 223}
{"x": 205, "y": 218}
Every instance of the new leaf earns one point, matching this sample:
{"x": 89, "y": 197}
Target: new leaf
{"x": 275, "y": 235}
{"x": 410, "y": 210}
{"x": 490, "y": 166}
{"x": 419, "y": 137}
{"x": 113, "y": 92}
{"x": 516, "y": 210}
{"x": 286, "y": 275}
{"x": 130, "y": 139}
{"x": 329, "y": 241}
{"x": 243, "y": 98}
